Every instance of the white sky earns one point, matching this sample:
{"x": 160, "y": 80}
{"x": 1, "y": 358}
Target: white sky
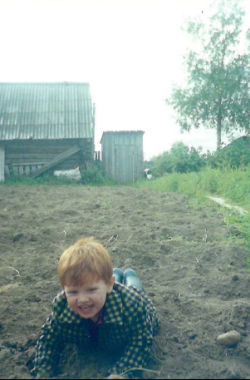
{"x": 129, "y": 51}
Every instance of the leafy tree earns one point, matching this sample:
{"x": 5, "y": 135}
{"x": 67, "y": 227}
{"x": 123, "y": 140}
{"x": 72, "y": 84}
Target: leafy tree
{"x": 179, "y": 159}
{"x": 216, "y": 90}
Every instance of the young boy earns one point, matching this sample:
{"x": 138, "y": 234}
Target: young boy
{"x": 94, "y": 309}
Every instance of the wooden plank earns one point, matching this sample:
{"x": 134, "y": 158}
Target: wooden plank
{"x": 31, "y": 156}
{"x": 7, "y": 170}
{"x": 61, "y": 157}
{"x": 24, "y": 144}
{"x": 40, "y": 144}
{"x": 30, "y": 162}
{"x": 2, "y": 162}
{"x": 27, "y": 170}
{"x": 21, "y": 170}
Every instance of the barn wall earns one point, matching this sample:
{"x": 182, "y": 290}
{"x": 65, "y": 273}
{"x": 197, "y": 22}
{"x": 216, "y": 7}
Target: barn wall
{"x": 33, "y": 154}
{"x": 122, "y": 155}
{"x": 2, "y": 162}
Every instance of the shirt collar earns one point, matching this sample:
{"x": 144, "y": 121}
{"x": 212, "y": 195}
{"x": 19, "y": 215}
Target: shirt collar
{"x": 67, "y": 314}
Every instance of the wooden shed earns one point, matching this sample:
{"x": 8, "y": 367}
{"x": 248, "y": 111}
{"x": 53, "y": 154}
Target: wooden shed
{"x": 45, "y": 127}
{"x": 122, "y": 155}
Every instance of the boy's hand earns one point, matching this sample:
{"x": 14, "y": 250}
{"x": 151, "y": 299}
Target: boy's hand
{"x": 115, "y": 377}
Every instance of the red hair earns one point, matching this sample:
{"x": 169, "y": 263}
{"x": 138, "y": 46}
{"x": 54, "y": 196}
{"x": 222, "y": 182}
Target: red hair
{"x": 85, "y": 262}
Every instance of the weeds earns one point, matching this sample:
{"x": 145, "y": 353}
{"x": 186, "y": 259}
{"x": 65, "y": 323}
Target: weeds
{"x": 177, "y": 238}
{"x": 225, "y": 182}
{"x": 93, "y": 177}
{"x": 18, "y": 274}
{"x": 231, "y": 184}
{"x": 247, "y": 265}
{"x": 6, "y": 288}
{"x": 43, "y": 180}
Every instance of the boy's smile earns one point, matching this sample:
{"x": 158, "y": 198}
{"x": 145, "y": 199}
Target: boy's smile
{"x": 88, "y": 300}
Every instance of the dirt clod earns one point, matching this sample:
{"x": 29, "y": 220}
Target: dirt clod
{"x": 229, "y": 339}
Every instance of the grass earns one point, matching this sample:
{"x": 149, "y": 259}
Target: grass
{"x": 233, "y": 185}
{"x": 49, "y": 180}
{"x": 6, "y": 288}
{"x": 230, "y": 184}
{"x": 44, "y": 180}
{"x": 247, "y": 265}
{"x": 8, "y": 267}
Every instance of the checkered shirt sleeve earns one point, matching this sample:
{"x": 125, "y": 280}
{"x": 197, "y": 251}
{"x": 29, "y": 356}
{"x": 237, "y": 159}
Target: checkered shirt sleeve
{"x": 49, "y": 346}
{"x": 141, "y": 324}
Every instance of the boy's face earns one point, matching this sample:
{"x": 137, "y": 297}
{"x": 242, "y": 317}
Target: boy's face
{"x": 88, "y": 300}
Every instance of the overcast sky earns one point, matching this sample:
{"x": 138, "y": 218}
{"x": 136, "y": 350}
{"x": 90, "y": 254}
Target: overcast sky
{"x": 129, "y": 51}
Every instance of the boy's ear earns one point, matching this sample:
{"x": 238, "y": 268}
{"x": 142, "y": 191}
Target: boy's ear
{"x": 111, "y": 284}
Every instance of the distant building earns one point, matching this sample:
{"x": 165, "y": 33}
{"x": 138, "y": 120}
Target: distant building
{"x": 243, "y": 141}
{"x": 237, "y": 153}
{"x": 45, "y": 126}
{"x": 122, "y": 155}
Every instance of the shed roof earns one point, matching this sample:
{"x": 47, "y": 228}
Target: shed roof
{"x": 45, "y": 111}
{"x": 119, "y": 132}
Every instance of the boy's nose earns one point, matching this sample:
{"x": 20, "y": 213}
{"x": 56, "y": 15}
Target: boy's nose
{"x": 83, "y": 298}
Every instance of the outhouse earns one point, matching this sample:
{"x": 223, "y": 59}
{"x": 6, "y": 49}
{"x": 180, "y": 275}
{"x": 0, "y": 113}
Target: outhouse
{"x": 122, "y": 155}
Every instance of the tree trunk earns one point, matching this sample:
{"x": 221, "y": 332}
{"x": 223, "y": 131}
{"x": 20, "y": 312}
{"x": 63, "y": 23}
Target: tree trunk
{"x": 219, "y": 133}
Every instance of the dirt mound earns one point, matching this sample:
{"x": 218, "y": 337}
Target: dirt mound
{"x": 189, "y": 265}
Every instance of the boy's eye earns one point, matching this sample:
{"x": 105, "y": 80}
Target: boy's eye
{"x": 92, "y": 289}
{"x": 72, "y": 292}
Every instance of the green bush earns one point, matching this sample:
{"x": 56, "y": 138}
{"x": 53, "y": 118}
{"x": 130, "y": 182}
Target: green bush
{"x": 179, "y": 159}
{"x": 94, "y": 176}
{"x": 182, "y": 159}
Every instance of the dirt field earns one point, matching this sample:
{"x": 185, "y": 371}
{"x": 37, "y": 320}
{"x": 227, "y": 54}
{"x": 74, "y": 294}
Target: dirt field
{"x": 198, "y": 283}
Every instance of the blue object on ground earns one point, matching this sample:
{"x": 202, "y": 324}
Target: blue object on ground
{"x": 131, "y": 279}
{"x": 118, "y": 273}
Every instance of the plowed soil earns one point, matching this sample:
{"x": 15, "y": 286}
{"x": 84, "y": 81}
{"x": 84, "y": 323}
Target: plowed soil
{"x": 188, "y": 259}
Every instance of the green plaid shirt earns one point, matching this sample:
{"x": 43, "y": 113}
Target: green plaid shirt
{"x": 129, "y": 322}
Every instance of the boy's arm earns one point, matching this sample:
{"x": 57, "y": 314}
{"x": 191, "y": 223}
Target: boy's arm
{"x": 137, "y": 351}
{"x": 135, "y": 356}
{"x": 49, "y": 347}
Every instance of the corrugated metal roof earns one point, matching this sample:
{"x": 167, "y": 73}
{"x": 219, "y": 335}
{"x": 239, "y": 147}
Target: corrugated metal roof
{"x": 104, "y": 133}
{"x": 45, "y": 111}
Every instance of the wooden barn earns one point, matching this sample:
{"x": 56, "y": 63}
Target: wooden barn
{"x": 122, "y": 155}
{"x": 45, "y": 127}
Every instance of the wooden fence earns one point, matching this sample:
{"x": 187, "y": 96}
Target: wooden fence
{"x": 23, "y": 168}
